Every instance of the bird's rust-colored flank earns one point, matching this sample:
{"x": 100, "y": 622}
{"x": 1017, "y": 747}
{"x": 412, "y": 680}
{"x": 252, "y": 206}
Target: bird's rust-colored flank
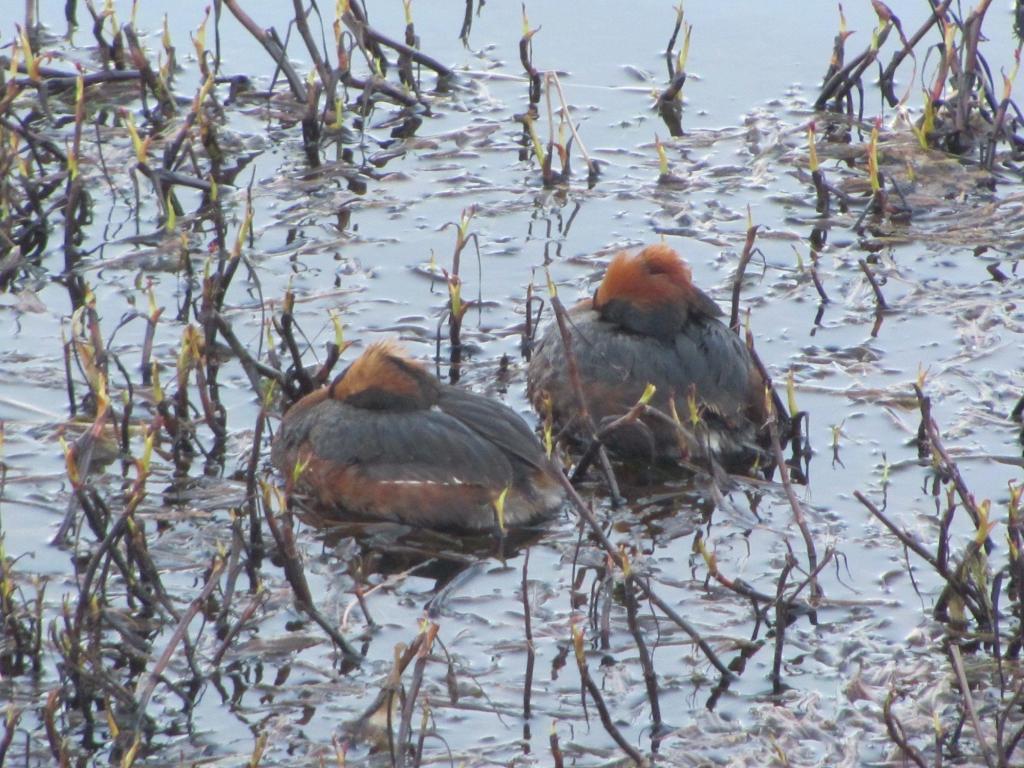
{"x": 649, "y": 324}
{"x": 387, "y": 441}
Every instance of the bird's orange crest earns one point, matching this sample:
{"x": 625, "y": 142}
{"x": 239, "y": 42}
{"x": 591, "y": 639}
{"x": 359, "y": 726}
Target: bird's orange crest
{"x": 656, "y": 275}
{"x": 385, "y": 370}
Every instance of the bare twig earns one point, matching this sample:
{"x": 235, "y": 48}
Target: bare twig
{"x": 357, "y": 23}
{"x": 794, "y": 503}
{"x": 781, "y": 622}
{"x": 843, "y": 81}
{"x": 405, "y": 725}
{"x": 879, "y": 298}
{"x": 602, "y": 708}
{"x": 888, "y": 74}
{"x": 531, "y": 654}
{"x": 895, "y": 729}
{"x": 146, "y": 686}
{"x": 737, "y": 281}
{"x": 273, "y": 47}
{"x": 583, "y": 414}
{"x": 646, "y": 664}
{"x": 968, "y": 699}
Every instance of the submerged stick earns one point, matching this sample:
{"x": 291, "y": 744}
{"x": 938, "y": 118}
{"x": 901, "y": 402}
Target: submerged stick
{"x": 146, "y": 686}
{"x": 646, "y": 664}
{"x": 595, "y": 529}
{"x": 531, "y": 654}
{"x": 879, "y": 297}
{"x": 284, "y": 536}
{"x": 896, "y": 733}
{"x": 602, "y": 708}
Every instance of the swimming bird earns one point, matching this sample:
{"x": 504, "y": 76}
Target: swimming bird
{"x": 388, "y": 441}
{"x": 647, "y": 323}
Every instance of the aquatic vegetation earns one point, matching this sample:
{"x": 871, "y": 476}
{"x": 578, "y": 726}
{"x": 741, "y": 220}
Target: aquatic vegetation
{"x": 206, "y": 217}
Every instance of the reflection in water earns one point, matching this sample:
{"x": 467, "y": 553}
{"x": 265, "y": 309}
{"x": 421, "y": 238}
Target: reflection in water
{"x": 391, "y": 549}
{"x": 360, "y": 224}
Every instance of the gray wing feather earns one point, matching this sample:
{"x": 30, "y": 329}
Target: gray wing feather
{"x": 496, "y": 423}
{"x": 417, "y": 445}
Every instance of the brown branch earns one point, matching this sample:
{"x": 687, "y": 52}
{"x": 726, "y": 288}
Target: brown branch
{"x": 646, "y": 664}
{"x": 968, "y": 699}
{"x": 840, "y": 84}
{"x": 284, "y": 536}
{"x": 886, "y": 79}
{"x": 273, "y": 48}
{"x": 391, "y": 684}
{"x": 358, "y": 25}
{"x": 794, "y": 503}
{"x": 595, "y": 529}
{"x": 415, "y": 683}
{"x": 11, "y": 721}
{"x": 302, "y": 24}
{"x": 688, "y": 628}
{"x": 879, "y": 298}
{"x": 583, "y": 414}
{"x": 164, "y": 97}
{"x": 146, "y": 686}
{"x": 602, "y": 708}
{"x": 935, "y": 440}
{"x": 965, "y": 88}
{"x": 531, "y": 654}
{"x": 818, "y": 286}
{"x": 253, "y": 368}
{"x": 781, "y": 622}
{"x": 953, "y": 580}
{"x": 258, "y": 600}
{"x": 737, "y": 281}
{"x": 895, "y": 729}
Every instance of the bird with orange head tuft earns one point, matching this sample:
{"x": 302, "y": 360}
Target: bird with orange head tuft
{"x": 649, "y": 324}
{"x": 387, "y": 441}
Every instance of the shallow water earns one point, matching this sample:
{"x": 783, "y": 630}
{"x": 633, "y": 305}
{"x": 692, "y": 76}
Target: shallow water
{"x": 754, "y": 71}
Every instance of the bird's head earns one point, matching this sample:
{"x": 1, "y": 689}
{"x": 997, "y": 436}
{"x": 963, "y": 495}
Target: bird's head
{"x": 384, "y": 378}
{"x": 651, "y": 293}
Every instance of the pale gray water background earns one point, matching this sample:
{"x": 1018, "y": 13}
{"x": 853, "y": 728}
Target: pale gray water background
{"x": 755, "y": 67}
